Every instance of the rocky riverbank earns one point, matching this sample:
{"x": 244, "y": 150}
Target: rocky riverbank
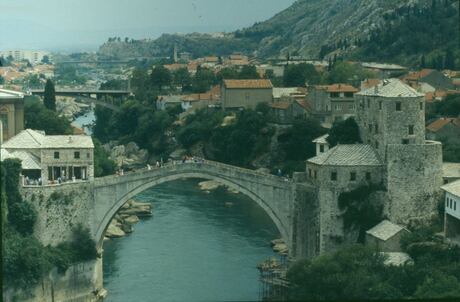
{"x": 128, "y": 215}
{"x": 279, "y": 246}
{"x": 211, "y": 185}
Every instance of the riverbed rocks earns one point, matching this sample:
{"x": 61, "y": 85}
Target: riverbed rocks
{"x": 128, "y": 156}
{"x": 279, "y": 246}
{"x": 69, "y": 108}
{"x": 128, "y": 215}
{"x": 210, "y": 185}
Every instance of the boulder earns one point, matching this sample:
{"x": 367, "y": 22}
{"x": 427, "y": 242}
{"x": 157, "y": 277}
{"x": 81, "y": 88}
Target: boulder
{"x": 131, "y": 148}
{"x": 132, "y": 219}
{"x": 209, "y": 185}
{"x": 276, "y": 241}
{"x": 114, "y": 230}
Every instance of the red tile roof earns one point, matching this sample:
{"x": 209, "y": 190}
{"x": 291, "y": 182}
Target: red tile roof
{"x": 341, "y": 88}
{"x": 248, "y": 84}
{"x": 442, "y": 122}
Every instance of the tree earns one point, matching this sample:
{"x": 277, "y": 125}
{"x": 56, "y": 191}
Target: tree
{"x": 102, "y": 164}
{"x": 38, "y": 117}
{"x": 297, "y": 75}
{"x": 203, "y": 80}
{"x": 160, "y": 77}
{"x": 182, "y": 78}
{"x": 449, "y": 61}
{"x": 344, "y": 132}
{"x": 249, "y": 72}
{"x": 46, "y": 60}
{"x": 49, "y": 98}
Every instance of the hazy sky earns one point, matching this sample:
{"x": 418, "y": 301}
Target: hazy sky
{"x": 74, "y": 24}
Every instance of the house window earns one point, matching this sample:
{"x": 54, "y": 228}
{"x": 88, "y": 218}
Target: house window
{"x": 380, "y": 105}
{"x": 353, "y": 176}
{"x": 246, "y": 95}
{"x": 421, "y": 105}
{"x": 368, "y": 175}
{"x": 398, "y": 106}
{"x": 334, "y": 95}
{"x": 411, "y": 129}
{"x": 334, "y": 176}
{"x": 405, "y": 141}
{"x": 315, "y": 174}
{"x": 455, "y": 206}
{"x": 348, "y": 94}
{"x": 309, "y": 173}
{"x": 376, "y": 128}
{"x": 56, "y": 155}
{"x": 321, "y": 148}
{"x": 88, "y": 155}
{"x": 4, "y": 120}
{"x": 450, "y": 203}
{"x": 447, "y": 202}
{"x": 76, "y": 154}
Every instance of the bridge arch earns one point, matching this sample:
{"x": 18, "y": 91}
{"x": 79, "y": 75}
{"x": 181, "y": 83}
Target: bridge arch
{"x": 155, "y": 180}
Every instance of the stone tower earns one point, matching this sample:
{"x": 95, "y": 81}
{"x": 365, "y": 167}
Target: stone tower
{"x": 391, "y": 117}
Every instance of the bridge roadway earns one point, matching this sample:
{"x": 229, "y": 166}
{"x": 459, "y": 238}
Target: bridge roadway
{"x": 73, "y": 92}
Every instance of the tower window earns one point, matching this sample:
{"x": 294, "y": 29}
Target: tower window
{"x": 315, "y": 174}
{"x": 405, "y": 141}
{"x": 398, "y": 106}
{"x": 368, "y": 175}
{"x": 334, "y": 176}
{"x": 411, "y": 129}
{"x": 380, "y": 105}
{"x": 353, "y": 176}
{"x": 421, "y": 105}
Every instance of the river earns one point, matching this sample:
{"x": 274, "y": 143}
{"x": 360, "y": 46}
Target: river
{"x": 88, "y": 118}
{"x": 194, "y": 248}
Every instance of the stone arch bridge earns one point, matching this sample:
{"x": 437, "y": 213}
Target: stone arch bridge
{"x": 275, "y": 195}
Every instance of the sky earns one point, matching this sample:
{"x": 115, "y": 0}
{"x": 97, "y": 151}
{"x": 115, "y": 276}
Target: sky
{"x": 72, "y": 25}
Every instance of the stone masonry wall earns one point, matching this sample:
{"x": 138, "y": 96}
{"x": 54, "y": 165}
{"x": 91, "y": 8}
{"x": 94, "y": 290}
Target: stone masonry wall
{"x": 60, "y": 208}
{"x": 82, "y": 282}
{"x": 414, "y": 177}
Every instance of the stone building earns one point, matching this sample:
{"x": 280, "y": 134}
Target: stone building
{"x": 394, "y": 156}
{"x": 54, "y": 158}
{"x": 332, "y": 102}
{"x": 11, "y": 114}
{"x": 444, "y": 129}
{"x": 288, "y": 110}
{"x": 391, "y": 118}
{"x": 386, "y": 236}
{"x": 452, "y": 211}
{"x": 245, "y": 94}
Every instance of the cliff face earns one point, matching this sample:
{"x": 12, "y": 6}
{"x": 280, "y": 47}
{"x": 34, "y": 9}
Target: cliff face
{"x": 309, "y": 26}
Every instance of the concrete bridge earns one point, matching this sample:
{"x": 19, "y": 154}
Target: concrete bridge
{"x": 96, "y": 96}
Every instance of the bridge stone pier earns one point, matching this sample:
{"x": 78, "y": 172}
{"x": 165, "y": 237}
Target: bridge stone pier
{"x": 273, "y": 194}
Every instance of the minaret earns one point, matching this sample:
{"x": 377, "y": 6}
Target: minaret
{"x": 175, "y": 53}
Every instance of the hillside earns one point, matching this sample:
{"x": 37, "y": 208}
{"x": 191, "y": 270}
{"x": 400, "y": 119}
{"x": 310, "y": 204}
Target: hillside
{"x": 314, "y": 28}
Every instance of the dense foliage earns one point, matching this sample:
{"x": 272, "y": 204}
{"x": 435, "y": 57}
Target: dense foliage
{"x": 102, "y": 164}
{"x": 359, "y": 211}
{"x": 360, "y": 273}
{"x": 38, "y": 117}
{"x": 344, "y": 132}
{"x": 298, "y": 75}
{"x": 428, "y": 32}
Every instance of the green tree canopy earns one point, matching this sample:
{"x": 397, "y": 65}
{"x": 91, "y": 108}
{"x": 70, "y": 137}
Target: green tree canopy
{"x": 38, "y": 117}
{"x": 49, "y": 98}
{"x": 297, "y": 75}
{"x": 344, "y": 132}
{"x": 160, "y": 77}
